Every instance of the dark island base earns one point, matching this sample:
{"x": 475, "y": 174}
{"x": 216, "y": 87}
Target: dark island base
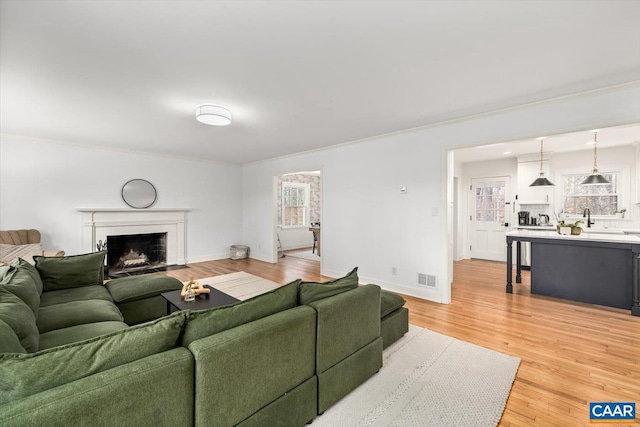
{"x": 593, "y": 275}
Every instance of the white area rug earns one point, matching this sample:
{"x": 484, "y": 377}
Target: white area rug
{"x": 240, "y": 285}
{"x": 304, "y": 255}
{"x": 429, "y": 379}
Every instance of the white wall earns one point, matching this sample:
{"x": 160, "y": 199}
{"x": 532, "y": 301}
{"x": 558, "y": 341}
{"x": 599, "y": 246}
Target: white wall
{"x": 368, "y": 223}
{"x": 468, "y": 171}
{"x": 43, "y": 183}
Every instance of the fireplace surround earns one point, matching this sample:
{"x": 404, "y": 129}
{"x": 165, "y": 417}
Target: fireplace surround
{"x": 99, "y": 224}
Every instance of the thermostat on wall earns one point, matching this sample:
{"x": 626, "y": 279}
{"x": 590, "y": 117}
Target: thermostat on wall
{"x": 403, "y": 190}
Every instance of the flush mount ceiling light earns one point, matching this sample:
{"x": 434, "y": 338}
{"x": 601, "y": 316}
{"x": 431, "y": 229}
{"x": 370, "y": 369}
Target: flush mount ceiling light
{"x": 595, "y": 178}
{"x": 541, "y": 181}
{"x": 214, "y": 115}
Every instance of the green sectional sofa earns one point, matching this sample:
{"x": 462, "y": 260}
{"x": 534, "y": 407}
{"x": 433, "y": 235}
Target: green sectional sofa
{"x": 76, "y": 352}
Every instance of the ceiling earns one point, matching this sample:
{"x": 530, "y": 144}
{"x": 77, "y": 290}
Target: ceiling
{"x": 297, "y": 75}
{"x": 577, "y": 141}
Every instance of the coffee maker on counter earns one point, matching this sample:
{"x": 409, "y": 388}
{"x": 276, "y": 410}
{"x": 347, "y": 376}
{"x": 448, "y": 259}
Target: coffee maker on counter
{"x": 523, "y": 218}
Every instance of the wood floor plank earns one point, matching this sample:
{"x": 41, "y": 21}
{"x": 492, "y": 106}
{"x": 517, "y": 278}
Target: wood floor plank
{"x": 572, "y": 353}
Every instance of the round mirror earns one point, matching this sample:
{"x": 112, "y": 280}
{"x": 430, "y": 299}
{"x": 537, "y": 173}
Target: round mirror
{"x": 139, "y": 193}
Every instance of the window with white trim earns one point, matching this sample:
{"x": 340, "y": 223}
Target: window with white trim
{"x": 295, "y": 204}
{"x": 600, "y": 199}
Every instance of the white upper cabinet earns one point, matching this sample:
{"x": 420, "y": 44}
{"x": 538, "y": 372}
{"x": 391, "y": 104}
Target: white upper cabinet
{"x": 529, "y": 171}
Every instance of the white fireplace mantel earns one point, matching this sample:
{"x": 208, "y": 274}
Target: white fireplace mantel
{"x": 97, "y": 224}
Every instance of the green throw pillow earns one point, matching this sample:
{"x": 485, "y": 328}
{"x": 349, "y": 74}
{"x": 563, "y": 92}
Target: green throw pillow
{"x": 312, "y": 291}
{"x": 27, "y": 374}
{"x": 31, "y": 269}
{"x": 71, "y": 271}
{"x": 15, "y": 313}
{"x": 20, "y": 283}
{"x": 9, "y": 342}
{"x": 203, "y": 323}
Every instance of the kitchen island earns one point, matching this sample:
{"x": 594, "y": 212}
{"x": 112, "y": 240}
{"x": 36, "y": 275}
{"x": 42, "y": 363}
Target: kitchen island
{"x": 594, "y": 268}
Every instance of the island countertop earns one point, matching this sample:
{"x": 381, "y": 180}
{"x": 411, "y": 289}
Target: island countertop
{"x": 584, "y": 237}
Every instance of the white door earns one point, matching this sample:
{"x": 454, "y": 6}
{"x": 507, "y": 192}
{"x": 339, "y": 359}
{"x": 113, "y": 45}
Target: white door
{"x": 489, "y": 217}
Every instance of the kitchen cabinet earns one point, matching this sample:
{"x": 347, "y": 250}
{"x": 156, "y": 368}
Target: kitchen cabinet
{"x": 528, "y": 171}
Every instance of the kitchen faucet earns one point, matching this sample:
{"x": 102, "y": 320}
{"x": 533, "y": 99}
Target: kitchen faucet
{"x": 587, "y": 213}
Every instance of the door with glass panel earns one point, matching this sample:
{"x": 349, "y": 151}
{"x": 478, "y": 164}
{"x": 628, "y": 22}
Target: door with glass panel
{"x": 489, "y": 217}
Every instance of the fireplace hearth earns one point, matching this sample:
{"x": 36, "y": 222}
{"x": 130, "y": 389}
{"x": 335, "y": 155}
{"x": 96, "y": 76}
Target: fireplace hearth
{"x": 136, "y": 253}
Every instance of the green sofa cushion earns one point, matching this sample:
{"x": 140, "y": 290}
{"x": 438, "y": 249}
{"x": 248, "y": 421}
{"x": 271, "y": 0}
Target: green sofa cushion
{"x": 136, "y": 288}
{"x": 203, "y": 323}
{"x": 71, "y": 271}
{"x": 15, "y": 313}
{"x": 78, "y": 333}
{"x": 27, "y": 374}
{"x": 389, "y": 302}
{"x": 313, "y": 291}
{"x": 74, "y": 294}
{"x": 9, "y": 342}
{"x": 31, "y": 269}
{"x": 20, "y": 283}
{"x": 77, "y": 313}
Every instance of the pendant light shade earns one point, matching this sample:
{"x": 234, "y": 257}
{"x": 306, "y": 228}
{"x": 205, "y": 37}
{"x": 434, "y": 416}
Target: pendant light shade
{"x": 541, "y": 181}
{"x": 595, "y": 178}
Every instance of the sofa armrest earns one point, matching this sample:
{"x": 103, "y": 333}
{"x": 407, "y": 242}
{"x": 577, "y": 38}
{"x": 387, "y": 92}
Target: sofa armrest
{"x": 138, "y": 297}
{"x": 347, "y": 322}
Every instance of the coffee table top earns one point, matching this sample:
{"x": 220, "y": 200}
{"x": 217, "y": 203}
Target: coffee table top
{"x": 214, "y": 299}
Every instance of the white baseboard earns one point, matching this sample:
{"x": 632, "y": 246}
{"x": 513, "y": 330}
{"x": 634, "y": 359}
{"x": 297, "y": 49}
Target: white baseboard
{"x": 428, "y": 294}
{"x": 261, "y": 257}
{"x": 212, "y": 257}
{"x": 423, "y": 293}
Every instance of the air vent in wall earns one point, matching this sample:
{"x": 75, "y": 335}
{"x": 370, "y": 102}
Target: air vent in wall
{"x": 427, "y": 280}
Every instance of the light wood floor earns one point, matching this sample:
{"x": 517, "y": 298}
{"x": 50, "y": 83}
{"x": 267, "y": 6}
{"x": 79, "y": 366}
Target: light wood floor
{"x": 572, "y": 353}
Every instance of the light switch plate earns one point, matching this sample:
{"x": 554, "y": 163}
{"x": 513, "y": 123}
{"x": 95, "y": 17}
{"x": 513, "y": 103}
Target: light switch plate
{"x": 403, "y": 190}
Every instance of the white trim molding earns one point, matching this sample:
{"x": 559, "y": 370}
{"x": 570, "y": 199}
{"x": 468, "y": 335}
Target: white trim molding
{"x": 97, "y": 224}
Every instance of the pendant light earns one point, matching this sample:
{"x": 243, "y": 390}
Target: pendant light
{"x": 541, "y": 181}
{"x": 595, "y": 178}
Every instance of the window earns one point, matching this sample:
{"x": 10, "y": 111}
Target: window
{"x": 490, "y": 201}
{"x": 295, "y": 204}
{"x": 600, "y": 199}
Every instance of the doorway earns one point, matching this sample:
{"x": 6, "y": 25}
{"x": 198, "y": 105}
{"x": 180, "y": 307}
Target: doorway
{"x": 298, "y": 200}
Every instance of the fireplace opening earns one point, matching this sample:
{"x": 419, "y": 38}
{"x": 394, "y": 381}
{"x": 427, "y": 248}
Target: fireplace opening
{"x": 134, "y": 253}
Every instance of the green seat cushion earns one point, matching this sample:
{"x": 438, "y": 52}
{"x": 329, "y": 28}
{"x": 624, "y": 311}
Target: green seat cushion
{"x": 135, "y": 288}
{"x": 15, "y": 313}
{"x": 71, "y": 271}
{"x": 78, "y": 333}
{"x": 389, "y": 302}
{"x": 203, "y": 323}
{"x": 313, "y": 291}
{"x": 31, "y": 269}
{"x": 77, "y": 313}
{"x": 20, "y": 283}
{"x": 27, "y": 374}
{"x": 74, "y": 294}
{"x": 9, "y": 342}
